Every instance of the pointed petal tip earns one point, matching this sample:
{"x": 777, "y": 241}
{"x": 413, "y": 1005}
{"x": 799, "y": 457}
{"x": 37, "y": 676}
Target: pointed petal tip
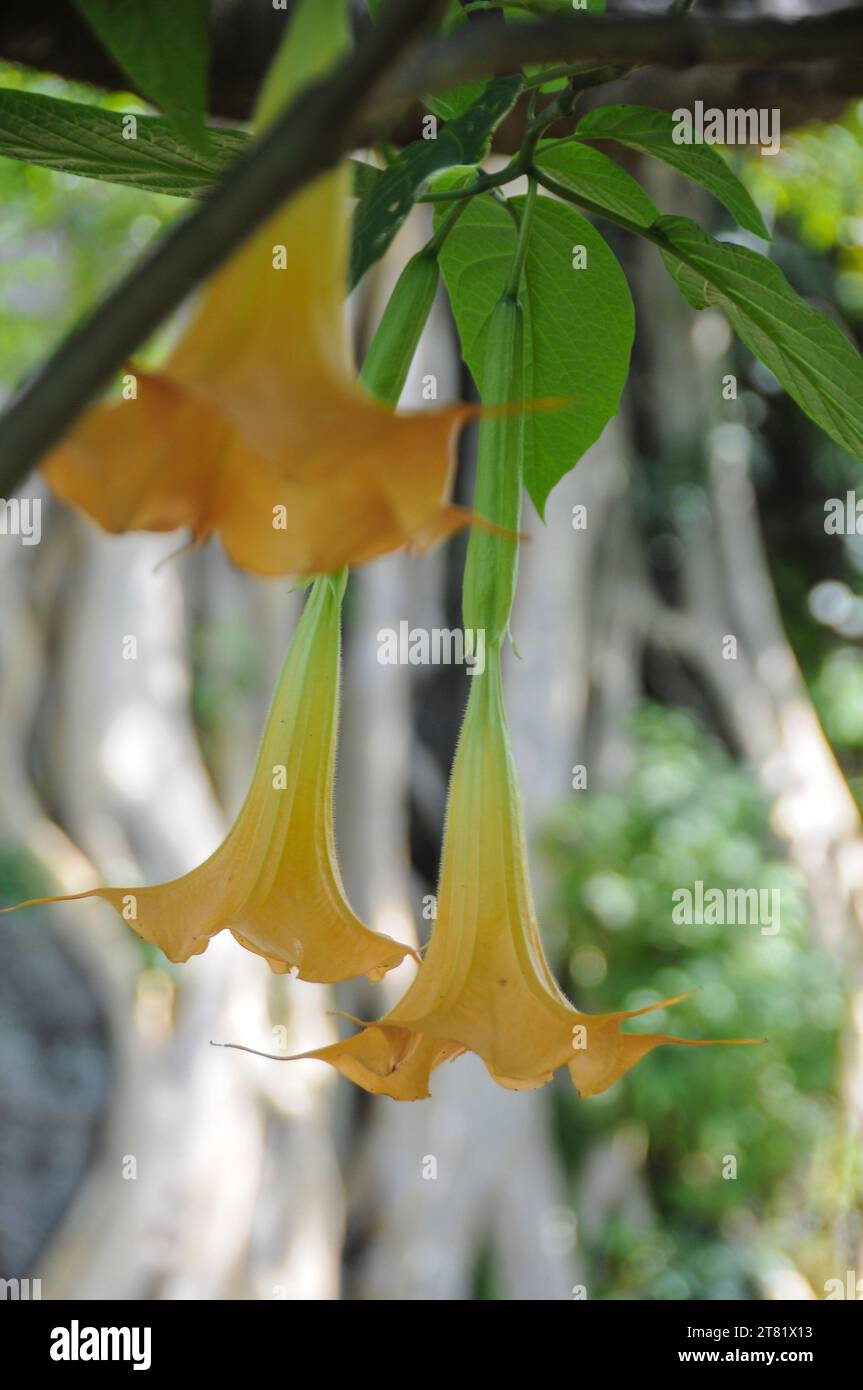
{"x": 53, "y": 898}
{"x": 629, "y": 1050}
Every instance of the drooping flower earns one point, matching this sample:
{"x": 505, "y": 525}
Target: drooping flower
{"x": 485, "y": 985}
{"x": 257, "y": 429}
{"x": 274, "y": 882}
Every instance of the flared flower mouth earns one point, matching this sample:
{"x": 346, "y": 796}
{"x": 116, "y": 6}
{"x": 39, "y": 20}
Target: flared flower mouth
{"x": 485, "y": 985}
{"x": 257, "y": 429}
{"x": 274, "y": 882}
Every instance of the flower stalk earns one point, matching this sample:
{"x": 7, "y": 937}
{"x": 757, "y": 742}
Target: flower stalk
{"x": 491, "y": 567}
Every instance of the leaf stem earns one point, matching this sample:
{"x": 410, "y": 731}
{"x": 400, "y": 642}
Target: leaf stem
{"x": 483, "y": 184}
{"x": 560, "y": 190}
{"x": 436, "y": 241}
{"x": 518, "y": 165}
{"x": 512, "y": 285}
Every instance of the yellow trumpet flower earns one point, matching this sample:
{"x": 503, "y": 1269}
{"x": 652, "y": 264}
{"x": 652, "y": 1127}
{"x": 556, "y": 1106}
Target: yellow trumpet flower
{"x": 485, "y": 985}
{"x": 257, "y": 428}
{"x": 274, "y": 883}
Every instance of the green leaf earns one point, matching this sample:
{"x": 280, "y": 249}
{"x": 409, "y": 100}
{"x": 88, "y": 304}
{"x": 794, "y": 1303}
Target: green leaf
{"x": 162, "y": 45}
{"x": 88, "y": 141}
{"x": 805, "y": 351}
{"x": 593, "y": 175}
{"x": 648, "y": 130}
{"x": 363, "y": 177}
{"x": 578, "y": 324}
{"x": 464, "y": 140}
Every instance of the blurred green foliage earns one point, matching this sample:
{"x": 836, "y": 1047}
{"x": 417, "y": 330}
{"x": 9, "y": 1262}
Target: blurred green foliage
{"x": 689, "y": 812}
{"x": 815, "y": 187}
{"x": 813, "y": 193}
{"x": 21, "y": 875}
{"x": 64, "y": 240}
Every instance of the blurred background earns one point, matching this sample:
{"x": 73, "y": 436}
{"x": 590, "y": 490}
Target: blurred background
{"x": 138, "y": 1162}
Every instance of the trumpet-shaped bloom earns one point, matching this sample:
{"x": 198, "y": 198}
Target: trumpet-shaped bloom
{"x": 274, "y": 882}
{"x": 485, "y": 985}
{"x": 257, "y": 428}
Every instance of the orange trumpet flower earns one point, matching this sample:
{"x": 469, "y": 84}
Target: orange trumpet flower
{"x": 485, "y": 985}
{"x": 274, "y": 882}
{"x": 257, "y": 428}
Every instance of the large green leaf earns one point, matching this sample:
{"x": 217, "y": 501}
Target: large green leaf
{"x": 805, "y": 351}
{"x": 72, "y": 138}
{"x": 163, "y": 46}
{"x": 593, "y": 175}
{"x": 578, "y": 324}
{"x": 464, "y": 140}
{"x": 649, "y": 130}
{"x": 86, "y": 140}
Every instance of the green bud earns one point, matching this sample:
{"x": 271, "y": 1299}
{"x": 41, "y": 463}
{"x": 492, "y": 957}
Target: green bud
{"x": 392, "y": 349}
{"x": 492, "y": 560}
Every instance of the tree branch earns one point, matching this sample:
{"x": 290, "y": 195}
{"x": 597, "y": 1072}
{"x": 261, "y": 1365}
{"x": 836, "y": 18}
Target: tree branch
{"x": 358, "y": 100}
{"x": 626, "y": 40}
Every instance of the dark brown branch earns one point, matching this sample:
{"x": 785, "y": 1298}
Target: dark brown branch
{"x": 627, "y": 41}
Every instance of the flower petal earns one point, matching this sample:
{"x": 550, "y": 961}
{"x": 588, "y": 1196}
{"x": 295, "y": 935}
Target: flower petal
{"x": 387, "y": 1061}
{"x": 274, "y": 882}
{"x": 257, "y": 427}
{"x": 484, "y": 985}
